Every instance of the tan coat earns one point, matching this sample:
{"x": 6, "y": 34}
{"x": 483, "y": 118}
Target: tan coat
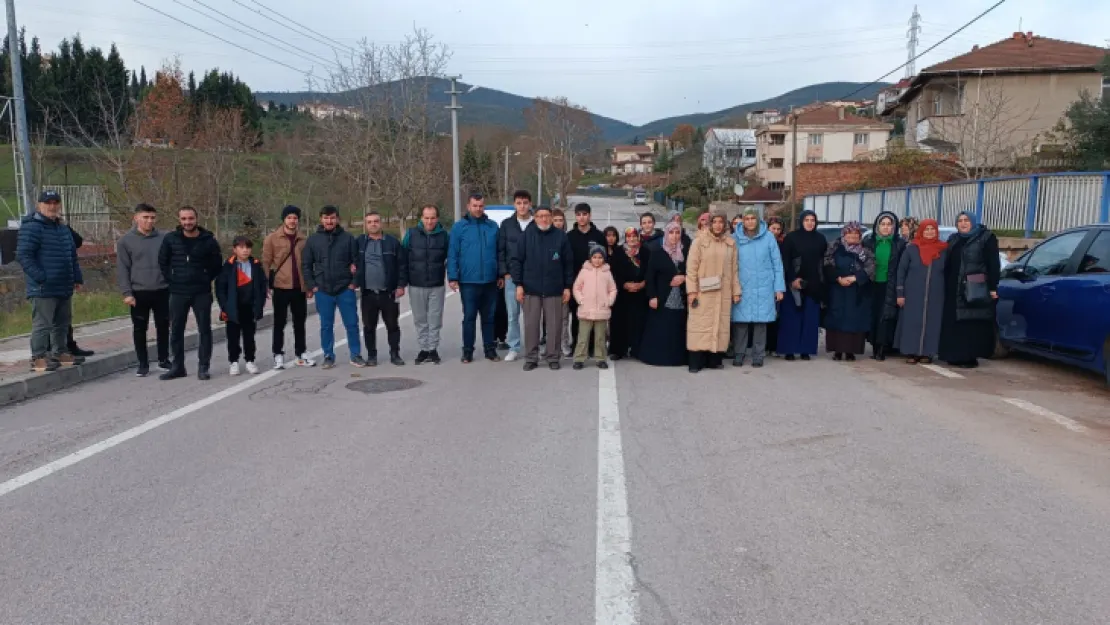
{"x": 709, "y": 325}
{"x": 275, "y": 251}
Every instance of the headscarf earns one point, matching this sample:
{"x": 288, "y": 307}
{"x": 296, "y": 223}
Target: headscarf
{"x": 703, "y": 221}
{"x": 976, "y": 228}
{"x": 633, "y": 252}
{"x": 884, "y": 245}
{"x": 912, "y": 223}
{"x": 673, "y": 250}
{"x": 803, "y": 253}
{"x": 857, "y": 248}
{"x": 930, "y": 249}
{"x": 672, "y": 215}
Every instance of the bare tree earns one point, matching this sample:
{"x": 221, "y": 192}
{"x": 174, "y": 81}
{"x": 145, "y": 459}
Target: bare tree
{"x": 566, "y": 133}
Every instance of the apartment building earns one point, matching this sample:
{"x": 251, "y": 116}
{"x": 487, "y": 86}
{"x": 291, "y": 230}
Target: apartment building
{"x": 632, "y": 159}
{"x": 728, "y": 152}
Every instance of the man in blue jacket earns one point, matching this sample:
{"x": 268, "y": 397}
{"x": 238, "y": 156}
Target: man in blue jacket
{"x": 472, "y": 271}
{"x": 48, "y": 255}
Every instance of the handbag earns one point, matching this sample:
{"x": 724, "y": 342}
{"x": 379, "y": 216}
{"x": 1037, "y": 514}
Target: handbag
{"x": 976, "y": 292}
{"x": 709, "y": 284}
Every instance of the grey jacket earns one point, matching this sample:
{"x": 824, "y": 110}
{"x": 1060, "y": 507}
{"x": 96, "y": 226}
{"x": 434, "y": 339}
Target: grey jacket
{"x": 137, "y": 266}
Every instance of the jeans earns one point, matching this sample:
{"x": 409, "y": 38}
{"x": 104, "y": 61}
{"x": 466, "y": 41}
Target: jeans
{"x": 550, "y": 309}
{"x": 373, "y": 303}
{"x": 427, "y": 315}
{"x": 478, "y": 299}
{"x": 50, "y": 319}
{"x": 201, "y": 305}
{"x": 347, "y": 303}
{"x": 583, "y": 346}
{"x": 513, "y": 308}
{"x": 286, "y": 301}
{"x": 146, "y": 302}
{"x": 758, "y": 333}
{"x": 245, "y": 330}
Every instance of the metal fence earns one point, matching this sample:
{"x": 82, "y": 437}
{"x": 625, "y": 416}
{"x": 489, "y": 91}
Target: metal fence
{"x": 86, "y": 210}
{"x": 670, "y": 203}
{"x": 1037, "y": 203}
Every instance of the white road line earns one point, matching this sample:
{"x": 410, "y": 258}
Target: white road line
{"x": 1059, "y": 419}
{"x": 614, "y": 583}
{"x": 50, "y": 468}
{"x": 939, "y": 370}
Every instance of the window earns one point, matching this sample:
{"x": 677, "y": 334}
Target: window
{"x": 861, "y": 138}
{"x": 778, "y": 139}
{"x": 749, "y": 153}
{"x": 1097, "y": 258}
{"x": 1105, "y": 88}
{"x": 776, "y": 186}
{"x": 776, "y": 163}
{"x": 815, "y": 139}
{"x": 813, "y": 159}
{"x": 1051, "y": 258}
{"x": 936, "y": 104}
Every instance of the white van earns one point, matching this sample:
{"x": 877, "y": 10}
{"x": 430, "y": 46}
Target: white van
{"x": 640, "y": 199}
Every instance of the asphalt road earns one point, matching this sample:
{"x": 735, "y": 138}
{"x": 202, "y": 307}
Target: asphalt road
{"x": 817, "y": 492}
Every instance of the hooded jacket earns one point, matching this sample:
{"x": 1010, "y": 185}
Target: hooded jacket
{"x": 48, "y": 254}
{"x": 897, "y": 246}
{"x": 190, "y": 264}
{"x": 327, "y": 260}
{"x": 137, "y": 267}
{"x": 761, "y": 276}
{"x": 580, "y": 243}
{"x": 595, "y": 291}
{"x": 472, "y": 252}
{"x": 542, "y": 262}
{"x": 228, "y": 290}
{"x": 427, "y": 255}
{"x": 508, "y": 234}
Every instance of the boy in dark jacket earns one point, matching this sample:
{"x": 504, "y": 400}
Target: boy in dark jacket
{"x": 241, "y": 290}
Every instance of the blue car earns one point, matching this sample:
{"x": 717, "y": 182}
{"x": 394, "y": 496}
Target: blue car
{"x": 1054, "y": 301}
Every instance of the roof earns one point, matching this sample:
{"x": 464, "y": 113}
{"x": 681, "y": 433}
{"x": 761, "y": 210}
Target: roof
{"x": 1024, "y": 51}
{"x": 732, "y": 135}
{"x": 639, "y": 149}
{"x": 758, "y": 194}
{"x": 827, "y": 115}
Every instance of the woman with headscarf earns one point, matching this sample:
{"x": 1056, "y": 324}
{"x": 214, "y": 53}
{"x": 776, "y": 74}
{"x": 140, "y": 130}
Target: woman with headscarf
{"x": 734, "y": 225}
{"x": 800, "y": 313}
{"x": 703, "y": 223}
{"x": 971, "y": 276}
{"x": 664, "y": 337}
{"x": 612, "y": 240}
{"x": 919, "y": 286}
{"x": 907, "y": 227}
{"x": 775, "y": 227}
{"x": 675, "y": 217}
{"x": 849, "y": 271}
{"x": 712, "y": 287}
{"x": 887, "y": 245}
{"x": 629, "y": 265}
{"x": 762, "y": 285}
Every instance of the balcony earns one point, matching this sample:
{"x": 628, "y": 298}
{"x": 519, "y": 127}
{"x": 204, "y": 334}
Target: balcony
{"x": 940, "y": 132}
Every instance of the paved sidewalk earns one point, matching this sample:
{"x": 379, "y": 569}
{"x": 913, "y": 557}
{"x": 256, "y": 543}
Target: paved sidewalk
{"x": 112, "y": 342}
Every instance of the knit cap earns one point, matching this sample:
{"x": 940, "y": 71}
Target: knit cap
{"x": 597, "y": 249}
{"x": 290, "y": 210}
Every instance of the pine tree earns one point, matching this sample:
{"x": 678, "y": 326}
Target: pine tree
{"x": 143, "y": 84}
{"x": 134, "y": 86}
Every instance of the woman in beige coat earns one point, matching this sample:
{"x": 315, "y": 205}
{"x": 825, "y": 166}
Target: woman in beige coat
{"x": 712, "y": 287}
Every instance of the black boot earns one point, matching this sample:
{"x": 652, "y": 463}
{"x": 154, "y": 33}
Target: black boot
{"x": 395, "y": 359}
{"x": 880, "y": 353}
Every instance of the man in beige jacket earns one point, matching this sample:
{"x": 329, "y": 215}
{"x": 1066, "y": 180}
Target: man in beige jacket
{"x": 281, "y": 259}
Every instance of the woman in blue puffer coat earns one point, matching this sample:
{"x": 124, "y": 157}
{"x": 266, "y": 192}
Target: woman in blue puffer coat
{"x": 761, "y": 287}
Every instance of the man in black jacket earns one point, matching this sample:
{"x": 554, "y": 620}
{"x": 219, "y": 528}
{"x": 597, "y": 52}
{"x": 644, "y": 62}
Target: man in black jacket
{"x": 543, "y": 271}
{"x": 507, "y": 237}
{"x": 382, "y": 272}
{"x": 581, "y": 237}
{"x": 190, "y": 260}
{"x": 426, "y": 254}
{"x": 328, "y": 265}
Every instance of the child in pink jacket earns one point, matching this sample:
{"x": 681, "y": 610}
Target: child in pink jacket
{"x": 595, "y": 291}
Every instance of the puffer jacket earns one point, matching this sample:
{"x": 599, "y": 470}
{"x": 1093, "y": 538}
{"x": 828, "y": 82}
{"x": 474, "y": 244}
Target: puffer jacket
{"x": 327, "y": 260}
{"x": 595, "y": 291}
{"x": 760, "y": 276}
{"x": 472, "y": 252}
{"x": 48, "y": 255}
{"x": 190, "y": 266}
{"x": 427, "y": 256}
{"x": 227, "y": 290}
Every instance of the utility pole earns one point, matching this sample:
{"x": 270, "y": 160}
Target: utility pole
{"x": 539, "y": 185}
{"x": 454, "y": 108}
{"x": 911, "y": 45}
{"x": 794, "y": 172}
{"x": 22, "y": 162}
{"x": 506, "y": 174}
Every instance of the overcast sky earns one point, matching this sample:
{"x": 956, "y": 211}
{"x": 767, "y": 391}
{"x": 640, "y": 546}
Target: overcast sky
{"x": 635, "y": 61}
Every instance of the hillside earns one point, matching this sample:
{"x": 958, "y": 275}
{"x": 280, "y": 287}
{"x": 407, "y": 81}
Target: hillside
{"x": 797, "y": 97}
{"x": 482, "y": 107}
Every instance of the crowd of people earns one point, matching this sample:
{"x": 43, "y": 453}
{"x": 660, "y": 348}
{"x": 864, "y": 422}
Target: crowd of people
{"x": 739, "y": 290}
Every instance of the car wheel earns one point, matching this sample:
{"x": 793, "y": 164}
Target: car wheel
{"x": 1000, "y": 349}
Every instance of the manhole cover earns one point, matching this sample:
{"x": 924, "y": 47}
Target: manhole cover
{"x": 383, "y": 385}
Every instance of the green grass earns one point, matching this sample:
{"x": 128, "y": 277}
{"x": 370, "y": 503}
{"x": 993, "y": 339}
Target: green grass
{"x": 86, "y": 307}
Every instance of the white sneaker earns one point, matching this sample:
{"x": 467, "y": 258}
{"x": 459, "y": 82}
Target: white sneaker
{"x": 234, "y": 369}
{"x": 511, "y": 356}
{"x": 252, "y": 368}
{"x": 304, "y": 361}
{"x": 279, "y": 361}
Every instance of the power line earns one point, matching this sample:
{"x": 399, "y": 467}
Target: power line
{"x": 318, "y": 37}
{"x": 930, "y": 49}
{"x": 230, "y": 43}
{"x": 280, "y": 45}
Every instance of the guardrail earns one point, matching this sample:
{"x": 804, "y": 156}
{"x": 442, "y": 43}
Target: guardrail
{"x": 1036, "y": 203}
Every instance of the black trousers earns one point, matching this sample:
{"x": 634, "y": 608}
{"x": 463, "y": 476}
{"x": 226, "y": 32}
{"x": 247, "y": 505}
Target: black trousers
{"x": 373, "y": 304}
{"x": 245, "y": 330}
{"x": 147, "y": 302}
{"x": 286, "y": 301}
{"x": 201, "y": 305}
